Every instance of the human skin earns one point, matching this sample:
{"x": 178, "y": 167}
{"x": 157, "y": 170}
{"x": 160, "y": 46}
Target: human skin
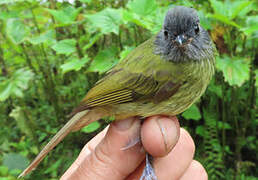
{"x": 171, "y": 146}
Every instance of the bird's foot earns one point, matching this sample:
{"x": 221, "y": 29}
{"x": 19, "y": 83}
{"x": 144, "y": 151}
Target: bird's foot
{"x": 148, "y": 172}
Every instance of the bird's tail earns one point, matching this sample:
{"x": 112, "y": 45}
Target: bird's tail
{"x": 75, "y": 123}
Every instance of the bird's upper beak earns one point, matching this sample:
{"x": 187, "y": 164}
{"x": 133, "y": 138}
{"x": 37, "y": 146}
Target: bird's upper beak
{"x": 181, "y": 39}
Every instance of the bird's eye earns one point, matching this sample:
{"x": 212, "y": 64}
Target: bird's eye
{"x": 196, "y": 29}
{"x": 166, "y": 34}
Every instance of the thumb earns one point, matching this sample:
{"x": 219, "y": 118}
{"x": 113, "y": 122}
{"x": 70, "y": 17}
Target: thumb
{"x": 107, "y": 159}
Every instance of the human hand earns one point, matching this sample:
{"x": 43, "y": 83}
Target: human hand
{"x": 102, "y": 157}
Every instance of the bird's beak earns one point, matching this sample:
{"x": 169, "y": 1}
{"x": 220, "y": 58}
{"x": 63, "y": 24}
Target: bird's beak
{"x": 181, "y": 39}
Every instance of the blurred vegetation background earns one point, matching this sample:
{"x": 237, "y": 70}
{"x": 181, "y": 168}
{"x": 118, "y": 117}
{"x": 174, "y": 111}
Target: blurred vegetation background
{"x": 52, "y": 53}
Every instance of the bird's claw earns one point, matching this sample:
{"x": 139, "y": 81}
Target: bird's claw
{"x": 148, "y": 172}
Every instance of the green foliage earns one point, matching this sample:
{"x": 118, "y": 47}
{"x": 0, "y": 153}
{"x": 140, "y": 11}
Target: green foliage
{"x": 104, "y": 60}
{"x": 91, "y": 127}
{"x": 66, "y": 46}
{"x": 15, "y": 161}
{"x": 16, "y": 84}
{"x": 74, "y": 64}
{"x": 52, "y": 53}
{"x": 192, "y": 113}
{"x": 142, "y": 7}
{"x": 235, "y": 71}
{"x": 107, "y": 20}
{"x": 16, "y": 30}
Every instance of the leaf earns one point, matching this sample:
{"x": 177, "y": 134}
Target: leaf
{"x": 86, "y": 1}
{"x": 104, "y": 60}
{"x": 205, "y": 22}
{"x": 256, "y": 78}
{"x": 92, "y": 41}
{"x": 235, "y": 71}
{"x": 251, "y": 25}
{"x": 22, "y": 122}
{"x": 218, "y": 7}
{"x": 224, "y": 19}
{"x": 217, "y": 89}
{"x": 66, "y": 46}
{"x": 74, "y": 65}
{"x": 125, "y": 52}
{"x": 16, "y": 30}
{"x": 200, "y": 130}
{"x": 107, "y": 20}
{"x": 15, "y": 161}
{"x": 65, "y": 16}
{"x": 10, "y": 1}
{"x": 54, "y": 166}
{"x": 91, "y": 127}
{"x": 192, "y": 113}
{"x": 142, "y": 7}
{"x": 3, "y": 171}
{"x": 16, "y": 84}
{"x": 48, "y": 37}
{"x": 224, "y": 125}
{"x": 238, "y": 7}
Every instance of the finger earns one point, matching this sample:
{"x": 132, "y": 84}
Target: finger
{"x": 175, "y": 163}
{"x": 195, "y": 172}
{"x": 108, "y": 160}
{"x": 178, "y": 160}
{"x": 160, "y": 134}
{"x": 90, "y": 146}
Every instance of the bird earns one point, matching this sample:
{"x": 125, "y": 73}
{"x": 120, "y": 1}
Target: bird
{"x": 164, "y": 75}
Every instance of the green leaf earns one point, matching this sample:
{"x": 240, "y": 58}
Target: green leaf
{"x": 205, "y": 22}
{"x": 65, "y": 16}
{"x": 66, "y": 46}
{"x": 92, "y": 41}
{"x": 91, "y": 127}
{"x": 256, "y": 78}
{"x": 235, "y": 70}
{"x": 53, "y": 167}
{"x": 224, "y": 125}
{"x": 218, "y": 7}
{"x": 15, "y": 161}
{"x": 22, "y": 121}
{"x": 192, "y": 113}
{"x": 48, "y": 37}
{"x": 16, "y": 30}
{"x": 107, "y": 20}
{"x": 251, "y": 25}
{"x": 10, "y": 1}
{"x": 217, "y": 89}
{"x": 3, "y": 171}
{"x": 142, "y": 7}
{"x": 104, "y": 60}
{"x": 200, "y": 130}
{"x": 86, "y": 1}
{"x": 15, "y": 84}
{"x": 135, "y": 18}
{"x": 224, "y": 19}
{"x": 125, "y": 52}
{"x": 239, "y": 6}
{"x": 74, "y": 64}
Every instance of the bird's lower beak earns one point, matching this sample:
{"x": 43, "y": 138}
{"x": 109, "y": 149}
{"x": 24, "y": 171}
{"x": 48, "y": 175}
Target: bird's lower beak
{"x": 181, "y": 39}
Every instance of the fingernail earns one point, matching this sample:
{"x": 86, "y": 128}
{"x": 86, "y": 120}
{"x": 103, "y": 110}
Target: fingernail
{"x": 169, "y": 130}
{"x": 125, "y": 124}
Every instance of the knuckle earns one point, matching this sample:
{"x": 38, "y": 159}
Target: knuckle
{"x": 105, "y": 163}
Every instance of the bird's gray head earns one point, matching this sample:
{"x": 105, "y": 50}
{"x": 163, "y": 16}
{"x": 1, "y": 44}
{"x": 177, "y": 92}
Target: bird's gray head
{"x": 182, "y": 38}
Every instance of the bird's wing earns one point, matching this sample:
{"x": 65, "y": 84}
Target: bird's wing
{"x": 141, "y": 76}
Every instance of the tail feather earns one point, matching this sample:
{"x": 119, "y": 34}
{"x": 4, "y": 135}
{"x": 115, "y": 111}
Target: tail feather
{"x": 68, "y": 127}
